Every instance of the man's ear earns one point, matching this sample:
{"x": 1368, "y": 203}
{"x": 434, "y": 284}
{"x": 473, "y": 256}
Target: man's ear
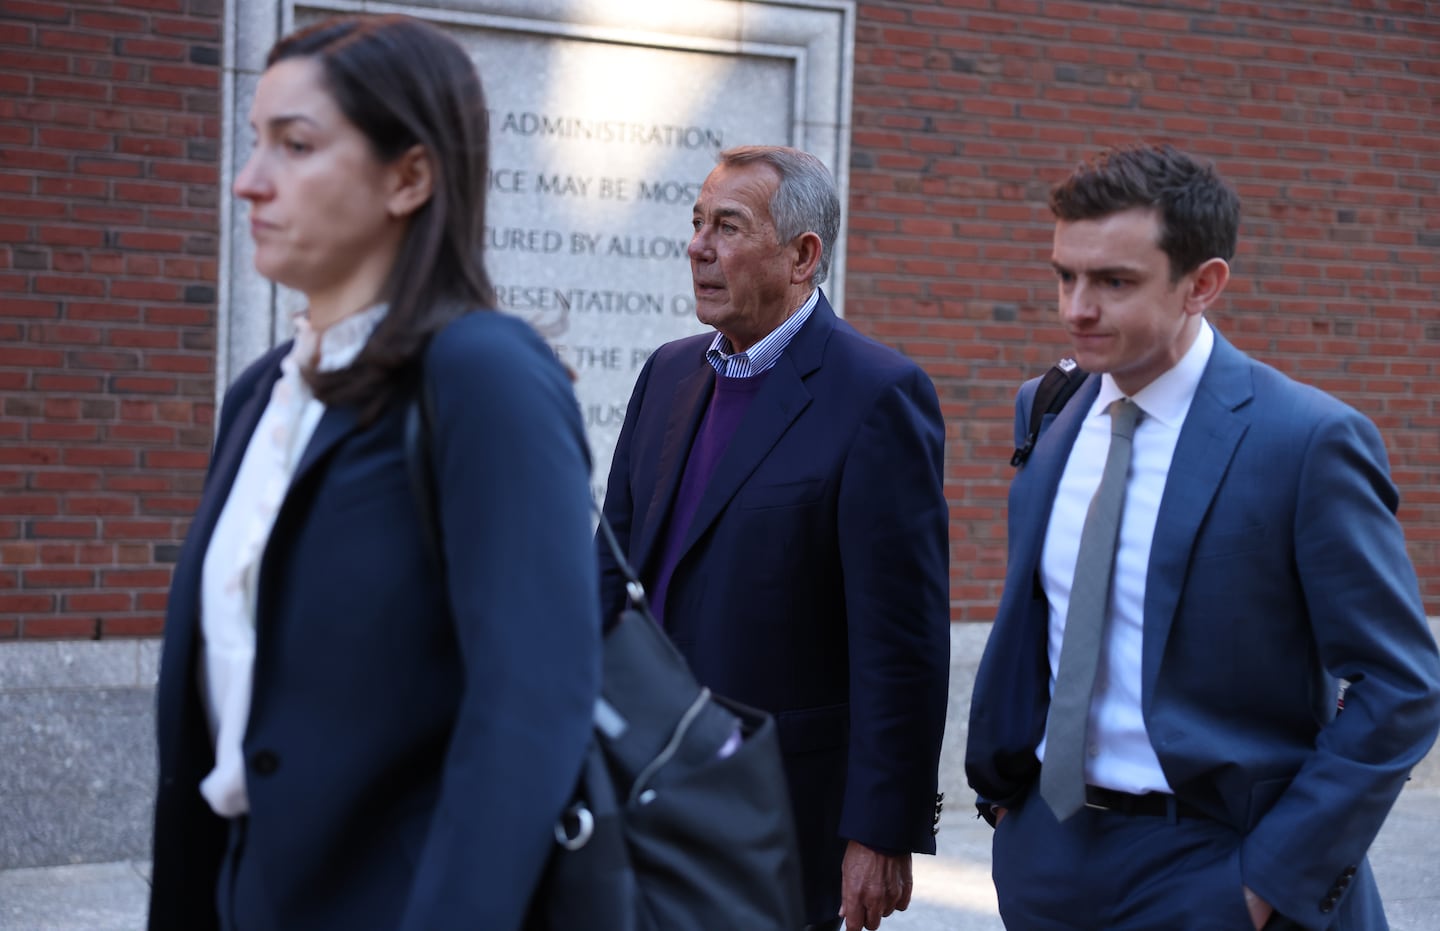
{"x": 413, "y": 182}
{"x": 1206, "y": 283}
{"x": 808, "y": 250}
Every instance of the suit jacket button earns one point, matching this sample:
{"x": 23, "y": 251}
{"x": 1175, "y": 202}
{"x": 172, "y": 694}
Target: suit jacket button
{"x": 265, "y": 763}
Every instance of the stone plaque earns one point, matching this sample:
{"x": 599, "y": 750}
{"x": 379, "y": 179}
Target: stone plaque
{"x": 598, "y": 152}
{"x": 602, "y": 129}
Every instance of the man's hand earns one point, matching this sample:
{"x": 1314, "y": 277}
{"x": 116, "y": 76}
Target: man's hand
{"x": 872, "y": 886}
{"x": 1260, "y": 910}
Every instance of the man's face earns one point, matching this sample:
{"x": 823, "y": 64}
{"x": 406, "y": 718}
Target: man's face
{"x": 742, "y": 273}
{"x": 1117, "y": 302}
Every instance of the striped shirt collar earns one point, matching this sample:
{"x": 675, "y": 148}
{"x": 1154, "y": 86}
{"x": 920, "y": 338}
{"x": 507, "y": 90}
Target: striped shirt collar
{"x": 762, "y": 356}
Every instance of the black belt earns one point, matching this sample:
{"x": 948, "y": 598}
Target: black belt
{"x": 1155, "y": 804}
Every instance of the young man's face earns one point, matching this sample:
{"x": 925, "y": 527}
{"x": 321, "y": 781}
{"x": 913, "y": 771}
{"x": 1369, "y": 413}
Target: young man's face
{"x": 1117, "y": 302}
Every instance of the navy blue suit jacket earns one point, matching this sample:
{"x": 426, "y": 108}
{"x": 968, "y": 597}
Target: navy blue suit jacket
{"x": 814, "y": 576}
{"x": 1277, "y": 569}
{"x": 412, "y": 736}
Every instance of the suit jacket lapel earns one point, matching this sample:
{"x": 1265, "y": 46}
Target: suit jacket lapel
{"x": 777, "y": 404}
{"x": 687, "y": 406}
{"x": 775, "y": 407}
{"x": 1208, "y": 440}
{"x": 335, "y": 424}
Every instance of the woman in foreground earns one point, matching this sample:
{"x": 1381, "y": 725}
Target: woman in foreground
{"x": 353, "y": 733}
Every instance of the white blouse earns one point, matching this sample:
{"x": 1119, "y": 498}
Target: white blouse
{"x": 230, "y": 580}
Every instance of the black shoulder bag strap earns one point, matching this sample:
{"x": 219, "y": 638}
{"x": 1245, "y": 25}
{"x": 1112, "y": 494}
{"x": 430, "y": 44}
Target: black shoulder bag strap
{"x": 1062, "y": 381}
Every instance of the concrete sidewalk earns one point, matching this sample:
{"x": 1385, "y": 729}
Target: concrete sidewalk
{"x": 952, "y": 890}
{"x": 82, "y": 754}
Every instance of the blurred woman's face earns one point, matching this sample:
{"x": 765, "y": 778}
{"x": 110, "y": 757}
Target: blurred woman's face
{"x": 320, "y": 201}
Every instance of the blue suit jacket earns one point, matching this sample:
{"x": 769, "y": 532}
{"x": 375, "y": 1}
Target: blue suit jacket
{"x": 1277, "y": 569}
{"x": 411, "y": 737}
{"x": 814, "y": 580}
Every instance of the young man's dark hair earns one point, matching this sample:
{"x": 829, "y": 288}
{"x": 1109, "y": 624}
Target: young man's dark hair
{"x": 1199, "y": 212}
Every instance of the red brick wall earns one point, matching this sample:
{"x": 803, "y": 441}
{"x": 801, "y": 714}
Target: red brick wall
{"x": 966, "y": 112}
{"x": 109, "y": 129}
{"x": 1324, "y": 116}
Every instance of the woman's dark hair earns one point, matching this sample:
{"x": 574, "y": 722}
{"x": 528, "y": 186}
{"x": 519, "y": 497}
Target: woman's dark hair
{"x": 1199, "y": 213}
{"x": 403, "y": 83}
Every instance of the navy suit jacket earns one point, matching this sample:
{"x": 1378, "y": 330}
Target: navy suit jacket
{"x": 413, "y": 734}
{"x": 1277, "y": 569}
{"x": 814, "y": 577}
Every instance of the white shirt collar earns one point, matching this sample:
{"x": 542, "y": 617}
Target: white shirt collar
{"x": 762, "y": 356}
{"x": 339, "y": 343}
{"x": 1167, "y": 398}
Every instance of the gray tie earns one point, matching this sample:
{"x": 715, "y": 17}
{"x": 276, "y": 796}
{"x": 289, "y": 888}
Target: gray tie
{"x": 1062, "y": 776}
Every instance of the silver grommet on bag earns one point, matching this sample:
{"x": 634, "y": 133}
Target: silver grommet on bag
{"x": 575, "y": 827}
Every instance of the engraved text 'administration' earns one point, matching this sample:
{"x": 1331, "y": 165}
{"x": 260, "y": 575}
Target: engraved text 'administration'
{"x": 576, "y": 128}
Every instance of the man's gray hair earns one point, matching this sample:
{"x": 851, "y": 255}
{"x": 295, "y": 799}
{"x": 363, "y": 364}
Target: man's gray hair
{"x": 805, "y": 200}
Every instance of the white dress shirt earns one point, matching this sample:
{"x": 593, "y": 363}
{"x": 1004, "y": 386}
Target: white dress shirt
{"x": 1120, "y": 755}
{"x": 230, "y": 579}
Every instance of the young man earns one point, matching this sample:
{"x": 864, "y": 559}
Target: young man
{"x": 778, "y": 484}
{"x": 1191, "y": 771}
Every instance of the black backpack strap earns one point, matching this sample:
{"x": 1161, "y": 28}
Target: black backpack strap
{"x": 1062, "y": 381}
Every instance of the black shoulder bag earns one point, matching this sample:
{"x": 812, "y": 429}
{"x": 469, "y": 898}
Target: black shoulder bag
{"x": 1062, "y": 381}
{"x": 681, "y": 820}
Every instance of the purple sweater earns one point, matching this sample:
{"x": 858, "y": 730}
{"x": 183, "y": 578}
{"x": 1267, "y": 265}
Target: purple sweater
{"x": 728, "y": 404}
